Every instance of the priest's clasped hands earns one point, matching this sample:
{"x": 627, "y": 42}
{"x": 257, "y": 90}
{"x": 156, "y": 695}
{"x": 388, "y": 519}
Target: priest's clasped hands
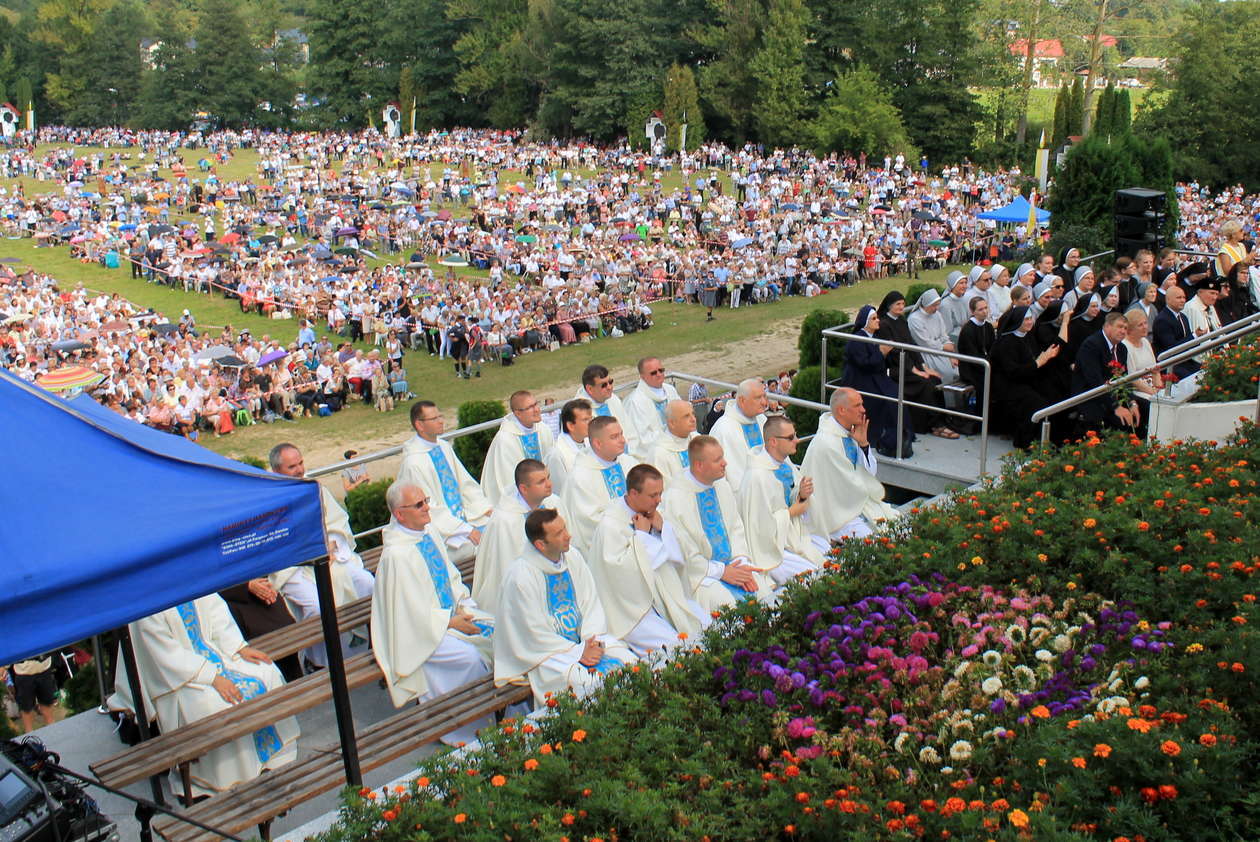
{"x": 463, "y": 623}
{"x": 226, "y": 688}
{"x": 592, "y": 654}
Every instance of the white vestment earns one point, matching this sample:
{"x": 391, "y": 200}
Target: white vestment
{"x": 418, "y": 591}
{"x": 928, "y": 331}
{"x": 614, "y": 408}
{"x": 456, "y": 502}
{"x": 848, "y": 500}
{"x": 642, "y": 581}
{"x": 711, "y": 533}
{"x": 511, "y": 444}
{"x": 548, "y": 611}
{"x": 350, "y": 580}
{"x": 669, "y": 455}
{"x": 502, "y": 543}
{"x": 739, "y": 436}
{"x": 179, "y": 653}
{"x": 592, "y": 484}
{"x": 777, "y": 542}
{"x": 561, "y": 459}
{"x": 645, "y": 409}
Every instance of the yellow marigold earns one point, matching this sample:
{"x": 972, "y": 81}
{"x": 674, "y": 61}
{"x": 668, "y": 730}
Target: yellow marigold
{"x": 1079, "y": 762}
{"x": 1041, "y": 712}
{"x": 1102, "y": 750}
{"x": 1019, "y": 819}
{"x": 1089, "y": 523}
{"x": 498, "y": 780}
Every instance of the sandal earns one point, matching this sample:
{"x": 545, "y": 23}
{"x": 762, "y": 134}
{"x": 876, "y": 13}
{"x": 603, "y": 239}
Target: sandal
{"x": 945, "y": 433}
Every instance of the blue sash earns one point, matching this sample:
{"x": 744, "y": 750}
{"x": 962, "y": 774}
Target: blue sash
{"x": 266, "y": 740}
{"x": 784, "y": 473}
{"x": 660, "y": 408}
{"x": 752, "y": 435}
{"x": 614, "y": 480}
{"x": 606, "y": 665}
{"x": 450, "y": 487}
{"x": 715, "y": 532}
{"x": 562, "y": 606}
{"x": 851, "y": 450}
{"x": 529, "y": 442}
{"x": 685, "y": 458}
{"x": 602, "y": 409}
{"x": 437, "y": 571}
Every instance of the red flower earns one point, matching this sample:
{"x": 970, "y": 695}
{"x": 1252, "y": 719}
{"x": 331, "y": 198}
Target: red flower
{"x": 1167, "y": 791}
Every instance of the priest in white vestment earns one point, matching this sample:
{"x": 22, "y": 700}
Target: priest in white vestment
{"x": 739, "y": 428}
{"x": 575, "y": 415}
{"x": 645, "y": 406}
{"x": 552, "y": 630}
{"x": 193, "y": 663}
{"x": 640, "y": 569}
{"x": 669, "y": 452}
{"x": 598, "y": 477}
{"x": 522, "y": 435}
{"x": 705, "y": 514}
{"x": 773, "y": 501}
{"x": 428, "y": 634}
{"x": 504, "y": 538}
{"x": 350, "y": 580}
{"x": 848, "y": 499}
{"x": 460, "y": 510}
{"x": 597, "y": 387}
{"x": 927, "y": 328}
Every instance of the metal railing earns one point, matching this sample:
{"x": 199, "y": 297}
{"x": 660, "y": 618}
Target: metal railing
{"x": 1240, "y": 327}
{"x": 843, "y": 333}
{"x": 1043, "y": 415}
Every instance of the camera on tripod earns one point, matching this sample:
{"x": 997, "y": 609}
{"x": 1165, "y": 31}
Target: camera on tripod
{"x": 38, "y": 804}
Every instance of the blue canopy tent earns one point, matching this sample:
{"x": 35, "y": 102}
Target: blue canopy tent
{"x": 108, "y": 521}
{"x": 1016, "y": 211}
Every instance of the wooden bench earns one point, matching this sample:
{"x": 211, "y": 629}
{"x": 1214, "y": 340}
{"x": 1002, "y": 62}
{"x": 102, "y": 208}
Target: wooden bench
{"x": 259, "y": 801}
{"x": 180, "y": 747}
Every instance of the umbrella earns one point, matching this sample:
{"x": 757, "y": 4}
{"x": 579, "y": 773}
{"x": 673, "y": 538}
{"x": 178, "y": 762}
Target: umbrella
{"x": 348, "y": 231}
{"x": 17, "y": 317}
{"x": 430, "y": 214}
{"x": 116, "y": 324}
{"x": 452, "y": 261}
{"x": 444, "y": 215}
{"x": 231, "y": 238}
{"x": 160, "y": 229}
{"x": 877, "y": 210}
{"x": 166, "y": 328}
{"x": 213, "y": 353}
{"x": 130, "y": 226}
{"x": 527, "y": 238}
{"x": 792, "y": 206}
{"x": 415, "y": 265}
{"x": 267, "y": 239}
{"x": 742, "y": 242}
{"x": 68, "y": 345}
{"x": 10, "y": 260}
{"x": 926, "y": 216}
{"x": 67, "y": 229}
{"x": 330, "y": 279}
{"x": 938, "y": 243}
{"x": 272, "y": 356}
{"x": 628, "y": 237}
{"x": 231, "y": 362}
{"x": 347, "y": 250}
{"x": 70, "y": 377}
{"x": 853, "y": 252}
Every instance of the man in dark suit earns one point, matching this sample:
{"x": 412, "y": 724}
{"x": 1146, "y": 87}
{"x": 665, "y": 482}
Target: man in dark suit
{"x": 1100, "y": 358}
{"x": 1172, "y": 327}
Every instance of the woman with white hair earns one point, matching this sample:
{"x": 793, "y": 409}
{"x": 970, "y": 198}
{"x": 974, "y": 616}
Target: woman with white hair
{"x": 1232, "y": 247}
{"x": 927, "y": 327}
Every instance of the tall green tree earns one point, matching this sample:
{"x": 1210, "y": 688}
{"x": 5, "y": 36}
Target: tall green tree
{"x": 1122, "y": 116}
{"x": 682, "y": 105}
{"x": 1076, "y": 111}
{"x": 859, "y": 116}
{"x": 170, "y": 93}
{"x": 231, "y": 84}
{"x": 727, "y": 35}
{"x": 66, "y": 29}
{"x": 778, "y": 68}
{"x": 421, "y": 36}
{"x": 497, "y": 69}
{"x": 345, "y": 74}
{"x": 1062, "y": 102}
{"x": 1104, "y": 111}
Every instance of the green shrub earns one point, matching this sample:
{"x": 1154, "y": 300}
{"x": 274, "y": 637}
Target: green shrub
{"x": 807, "y": 385}
{"x": 367, "y": 509}
{"x": 471, "y": 449}
{"x": 809, "y": 343}
{"x": 915, "y": 290}
{"x": 1230, "y": 373}
{"x": 81, "y": 690}
{"x": 255, "y": 461}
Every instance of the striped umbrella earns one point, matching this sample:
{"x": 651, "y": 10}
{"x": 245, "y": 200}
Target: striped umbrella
{"x": 70, "y": 377}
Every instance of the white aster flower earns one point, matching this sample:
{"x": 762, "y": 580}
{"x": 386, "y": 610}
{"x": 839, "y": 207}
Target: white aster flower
{"x": 1142, "y": 683}
{"x": 992, "y": 659}
{"x": 1024, "y": 676}
{"x": 1062, "y": 643}
{"x": 961, "y": 669}
{"x": 960, "y": 751}
{"x": 991, "y": 686}
{"x": 1044, "y": 656}
{"x": 1016, "y": 634}
{"x": 929, "y": 755}
{"x": 899, "y": 744}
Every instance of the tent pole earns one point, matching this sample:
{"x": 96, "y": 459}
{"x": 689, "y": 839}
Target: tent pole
{"x": 144, "y": 814}
{"x": 99, "y": 663}
{"x": 337, "y": 671}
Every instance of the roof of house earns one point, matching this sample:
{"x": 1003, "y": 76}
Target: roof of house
{"x": 1045, "y": 48}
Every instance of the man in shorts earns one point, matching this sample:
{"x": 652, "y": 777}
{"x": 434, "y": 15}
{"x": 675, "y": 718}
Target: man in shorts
{"x": 457, "y": 334}
{"x": 34, "y": 684}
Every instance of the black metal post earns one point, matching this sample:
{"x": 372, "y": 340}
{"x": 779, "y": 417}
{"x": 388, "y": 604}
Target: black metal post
{"x": 99, "y": 663}
{"x": 144, "y": 813}
{"x": 337, "y": 671}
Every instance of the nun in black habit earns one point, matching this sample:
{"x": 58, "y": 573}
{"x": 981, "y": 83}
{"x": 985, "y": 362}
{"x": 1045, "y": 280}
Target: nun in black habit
{"x": 865, "y": 369}
{"x": 1017, "y": 375}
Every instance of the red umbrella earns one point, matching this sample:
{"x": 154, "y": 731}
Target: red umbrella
{"x": 231, "y": 238}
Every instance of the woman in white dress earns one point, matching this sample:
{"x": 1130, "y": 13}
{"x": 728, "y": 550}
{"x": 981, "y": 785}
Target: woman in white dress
{"x": 1141, "y": 354}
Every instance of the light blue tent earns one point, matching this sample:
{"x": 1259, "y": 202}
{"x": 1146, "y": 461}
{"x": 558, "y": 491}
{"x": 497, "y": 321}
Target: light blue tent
{"x": 107, "y": 521}
{"x": 1016, "y": 211}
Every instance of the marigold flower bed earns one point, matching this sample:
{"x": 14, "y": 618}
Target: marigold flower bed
{"x": 1068, "y": 654}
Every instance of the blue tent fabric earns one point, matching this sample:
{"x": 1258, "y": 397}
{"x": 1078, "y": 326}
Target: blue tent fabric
{"x": 107, "y": 521}
{"x": 1016, "y": 211}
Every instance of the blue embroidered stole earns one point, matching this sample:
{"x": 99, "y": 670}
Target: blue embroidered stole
{"x": 562, "y": 605}
{"x": 715, "y": 532}
{"x": 437, "y": 571}
{"x": 786, "y": 479}
{"x": 529, "y": 443}
{"x": 752, "y": 435}
{"x": 614, "y": 480}
{"x": 602, "y": 409}
{"x": 450, "y": 486}
{"x": 850, "y": 450}
{"x": 685, "y": 458}
{"x": 266, "y": 740}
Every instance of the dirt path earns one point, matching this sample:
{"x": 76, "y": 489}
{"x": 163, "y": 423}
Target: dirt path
{"x": 765, "y": 354}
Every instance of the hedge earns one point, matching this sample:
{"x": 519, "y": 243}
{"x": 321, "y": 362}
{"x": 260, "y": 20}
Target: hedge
{"x": 471, "y": 449}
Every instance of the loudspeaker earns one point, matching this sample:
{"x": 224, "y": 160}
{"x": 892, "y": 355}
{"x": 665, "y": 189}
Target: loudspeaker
{"x": 1139, "y": 216}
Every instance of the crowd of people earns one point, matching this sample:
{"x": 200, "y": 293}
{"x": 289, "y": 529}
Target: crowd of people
{"x": 609, "y": 541}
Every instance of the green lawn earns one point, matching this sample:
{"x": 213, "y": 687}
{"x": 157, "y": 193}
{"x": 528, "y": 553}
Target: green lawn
{"x": 680, "y": 329}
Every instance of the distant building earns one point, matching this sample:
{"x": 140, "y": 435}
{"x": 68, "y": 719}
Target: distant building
{"x": 1047, "y": 54}
{"x": 297, "y": 37}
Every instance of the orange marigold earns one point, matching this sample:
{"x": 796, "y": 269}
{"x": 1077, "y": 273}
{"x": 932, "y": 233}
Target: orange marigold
{"x": 568, "y": 819}
{"x": 1041, "y": 712}
{"x": 460, "y": 818}
{"x": 1019, "y": 819}
{"x": 579, "y": 735}
{"x": 498, "y": 780}
{"x": 1102, "y": 750}
{"x": 1208, "y": 740}
{"x": 1079, "y": 762}
{"x": 1170, "y": 748}
{"x": 531, "y": 764}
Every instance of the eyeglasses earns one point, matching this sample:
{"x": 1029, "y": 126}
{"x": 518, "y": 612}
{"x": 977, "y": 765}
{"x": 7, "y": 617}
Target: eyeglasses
{"x": 423, "y": 504}
{"x": 653, "y": 372}
{"x": 431, "y": 418}
{"x": 528, "y": 408}
{"x": 792, "y": 437}
{"x": 604, "y": 383}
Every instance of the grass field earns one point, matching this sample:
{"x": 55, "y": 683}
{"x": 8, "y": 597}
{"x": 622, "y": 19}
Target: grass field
{"x": 680, "y": 329}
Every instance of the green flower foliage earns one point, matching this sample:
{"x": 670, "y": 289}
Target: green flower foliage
{"x": 1231, "y": 373}
{"x": 1067, "y": 653}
